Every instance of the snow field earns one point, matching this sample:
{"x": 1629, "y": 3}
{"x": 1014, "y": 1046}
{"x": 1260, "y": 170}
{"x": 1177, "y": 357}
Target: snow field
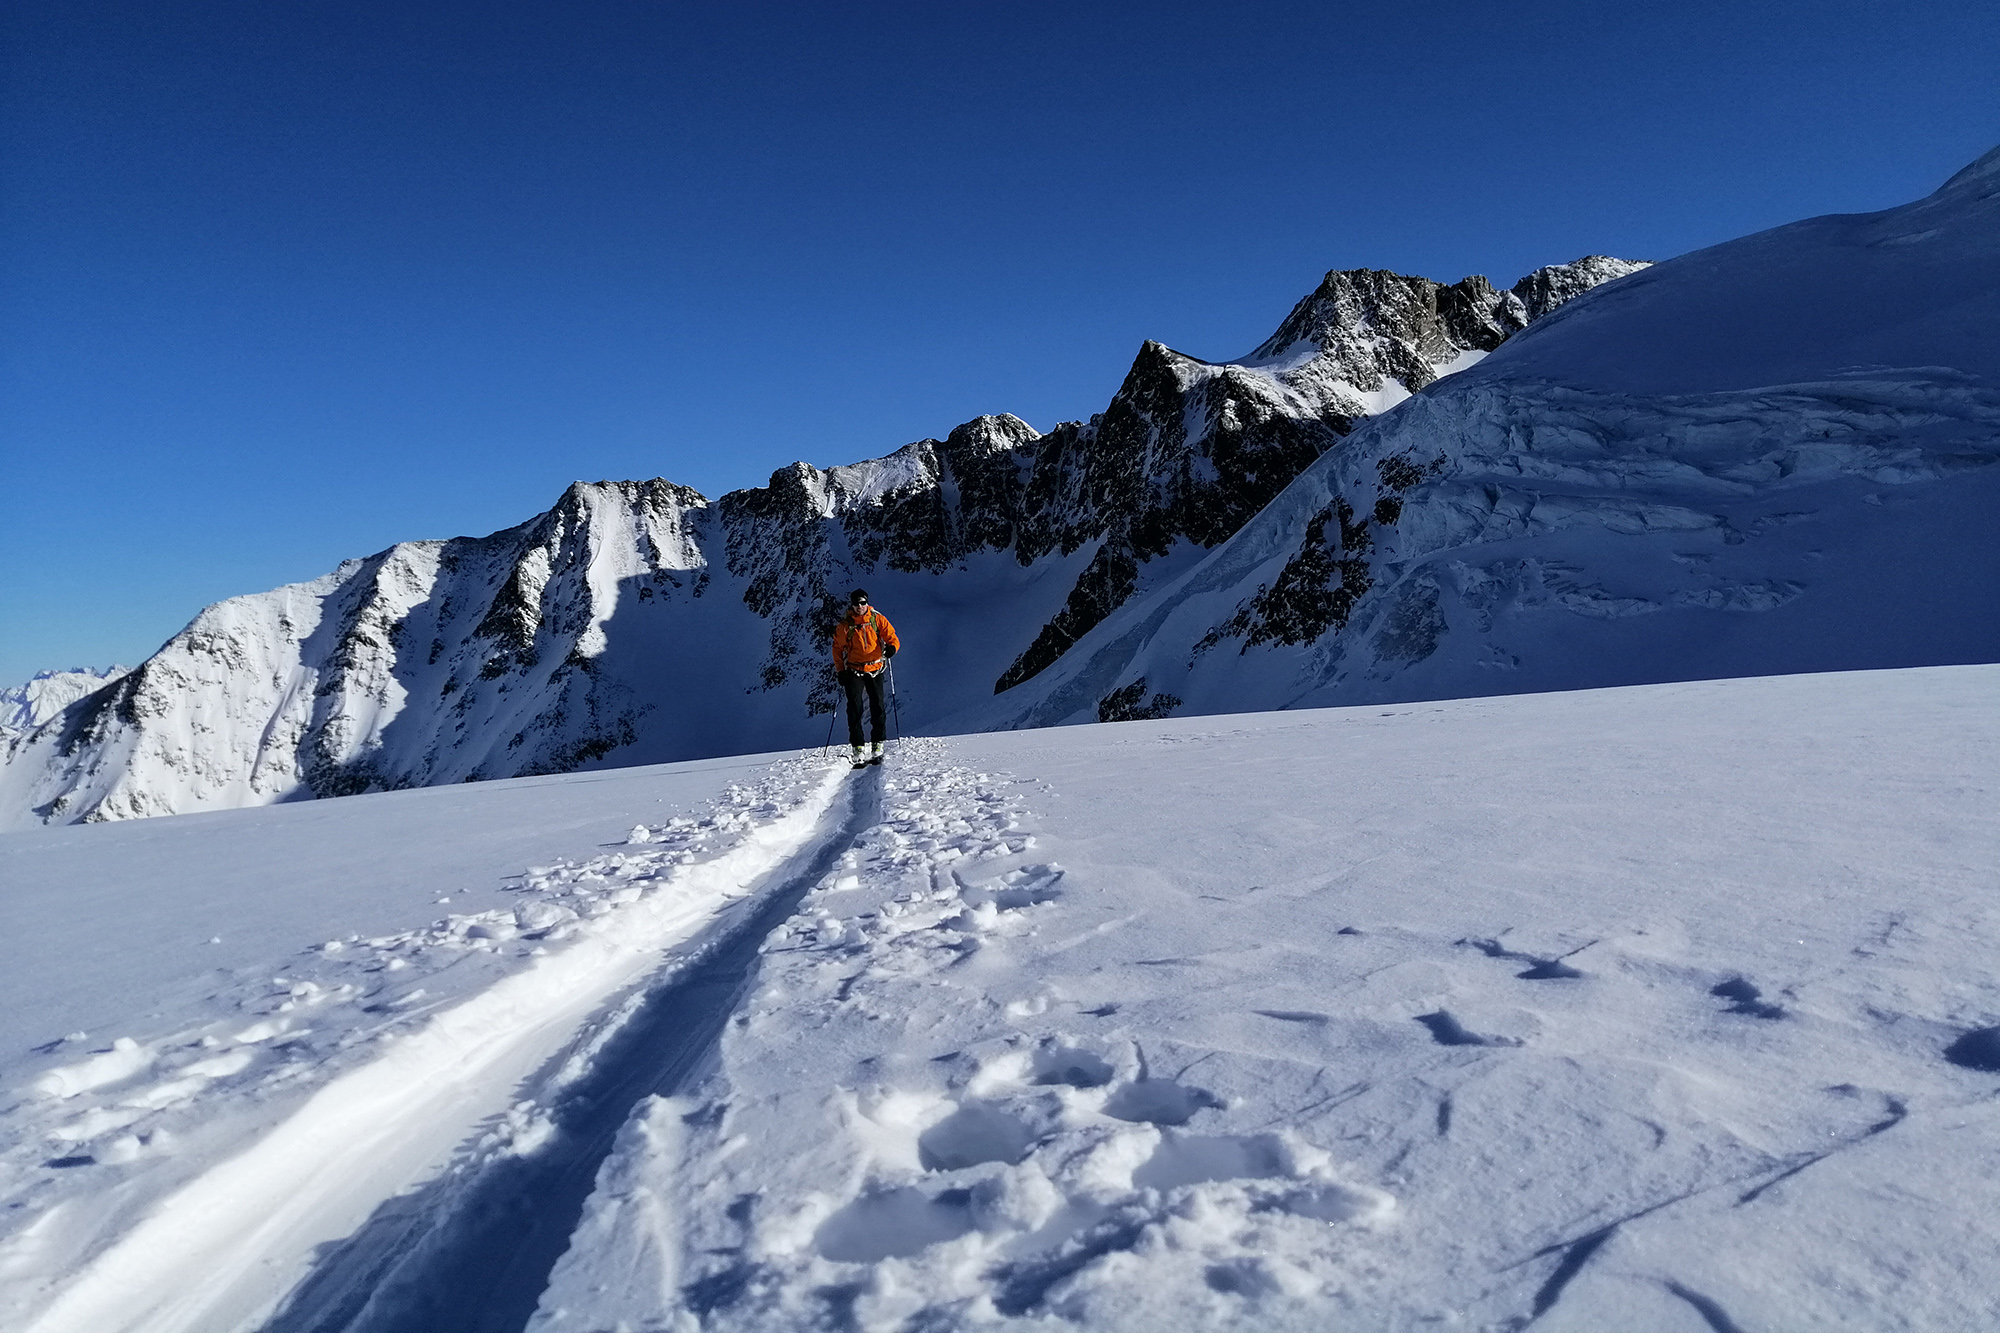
{"x": 388, "y": 1058}
{"x": 1659, "y": 1009}
{"x": 1663, "y": 1009}
{"x": 978, "y": 1179}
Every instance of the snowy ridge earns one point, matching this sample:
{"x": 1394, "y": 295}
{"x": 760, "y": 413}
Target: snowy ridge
{"x": 635, "y": 622}
{"x": 1767, "y": 456}
{"x": 1773, "y": 455}
{"x": 42, "y": 699}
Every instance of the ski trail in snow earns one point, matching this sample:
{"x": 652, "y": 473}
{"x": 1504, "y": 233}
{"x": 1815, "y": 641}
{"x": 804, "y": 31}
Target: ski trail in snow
{"x": 474, "y": 1257}
{"x": 225, "y": 1249}
{"x": 952, "y": 1145}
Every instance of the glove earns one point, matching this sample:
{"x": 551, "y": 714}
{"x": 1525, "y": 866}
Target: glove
{"x": 890, "y": 653}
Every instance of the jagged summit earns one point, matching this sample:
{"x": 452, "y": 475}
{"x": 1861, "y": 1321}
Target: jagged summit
{"x": 1366, "y": 339}
{"x": 639, "y": 621}
{"x": 1773, "y": 455}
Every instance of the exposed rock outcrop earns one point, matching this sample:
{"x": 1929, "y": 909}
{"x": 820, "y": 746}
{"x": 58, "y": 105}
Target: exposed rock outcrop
{"x": 637, "y": 621}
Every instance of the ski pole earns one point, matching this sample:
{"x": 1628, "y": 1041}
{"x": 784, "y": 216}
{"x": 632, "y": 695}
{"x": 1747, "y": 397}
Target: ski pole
{"x": 895, "y": 704}
{"x": 826, "y": 750}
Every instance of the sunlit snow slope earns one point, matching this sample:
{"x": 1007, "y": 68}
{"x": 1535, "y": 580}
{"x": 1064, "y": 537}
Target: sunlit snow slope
{"x": 1656, "y": 1009}
{"x": 1772, "y": 455}
{"x": 226, "y": 1039}
{"x": 638, "y": 622}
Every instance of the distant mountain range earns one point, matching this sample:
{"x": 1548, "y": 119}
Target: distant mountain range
{"x": 1766, "y": 456}
{"x": 638, "y": 621}
{"x": 42, "y": 699}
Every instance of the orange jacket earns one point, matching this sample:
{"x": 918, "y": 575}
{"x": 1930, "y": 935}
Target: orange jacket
{"x": 862, "y": 643}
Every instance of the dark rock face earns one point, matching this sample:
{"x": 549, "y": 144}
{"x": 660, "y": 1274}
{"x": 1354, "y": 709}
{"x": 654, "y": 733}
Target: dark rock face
{"x": 1363, "y": 327}
{"x": 640, "y": 614}
{"x": 1370, "y": 324}
{"x": 1316, "y": 590}
{"x": 1130, "y": 704}
{"x": 1147, "y": 483}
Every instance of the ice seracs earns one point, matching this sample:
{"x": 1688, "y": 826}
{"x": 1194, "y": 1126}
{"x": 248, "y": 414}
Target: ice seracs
{"x": 1771, "y": 455}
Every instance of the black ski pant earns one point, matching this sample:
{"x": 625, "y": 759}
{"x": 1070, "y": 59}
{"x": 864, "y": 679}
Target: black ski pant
{"x": 857, "y": 683}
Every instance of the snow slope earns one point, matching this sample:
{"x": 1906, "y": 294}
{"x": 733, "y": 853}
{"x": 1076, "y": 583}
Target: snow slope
{"x": 1660, "y": 1008}
{"x": 312, "y": 1031}
{"x": 637, "y": 622}
{"x": 1772, "y": 455}
{"x": 1627, "y": 1010}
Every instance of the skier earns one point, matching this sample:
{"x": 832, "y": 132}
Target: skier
{"x": 863, "y": 643}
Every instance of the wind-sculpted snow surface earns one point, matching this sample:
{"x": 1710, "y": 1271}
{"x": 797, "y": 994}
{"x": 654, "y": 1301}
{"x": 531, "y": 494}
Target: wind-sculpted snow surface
{"x": 1626, "y": 1010}
{"x": 635, "y": 622}
{"x": 964, "y": 1143}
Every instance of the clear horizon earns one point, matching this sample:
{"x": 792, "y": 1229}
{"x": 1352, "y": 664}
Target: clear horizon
{"x": 287, "y": 288}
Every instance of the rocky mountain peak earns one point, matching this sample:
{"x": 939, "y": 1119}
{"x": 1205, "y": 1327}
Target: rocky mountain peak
{"x": 639, "y": 618}
{"x": 1546, "y": 288}
{"x": 1352, "y": 308}
{"x": 989, "y": 435}
{"x": 1365, "y": 339}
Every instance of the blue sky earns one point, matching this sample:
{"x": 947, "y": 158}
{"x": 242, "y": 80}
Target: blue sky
{"x": 284, "y": 284}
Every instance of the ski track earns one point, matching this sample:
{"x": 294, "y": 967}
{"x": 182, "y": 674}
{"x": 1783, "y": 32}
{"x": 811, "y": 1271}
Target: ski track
{"x": 499, "y": 1233}
{"x": 934, "y": 1080}
{"x": 514, "y": 1083}
{"x": 966, "y": 1092}
{"x": 985, "y": 1178}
